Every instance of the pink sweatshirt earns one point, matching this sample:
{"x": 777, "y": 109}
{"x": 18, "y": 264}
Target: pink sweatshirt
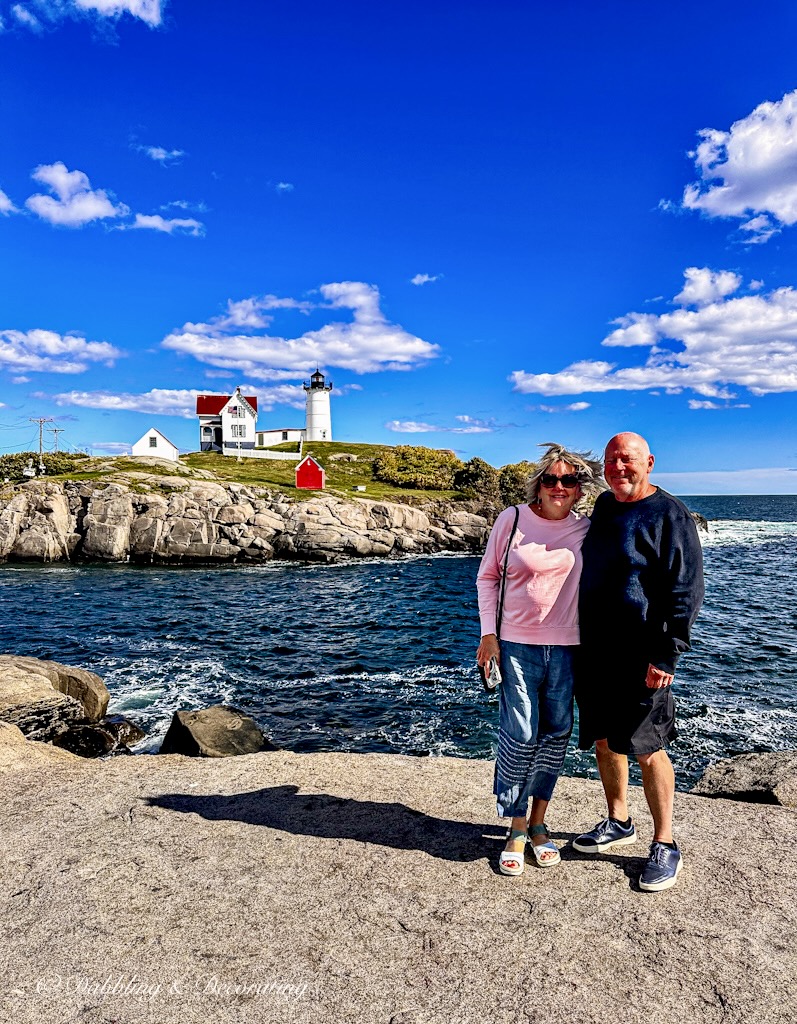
{"x": 541, "y": 597}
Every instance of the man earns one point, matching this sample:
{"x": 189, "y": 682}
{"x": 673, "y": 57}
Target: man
{"x": 641, "y": 589}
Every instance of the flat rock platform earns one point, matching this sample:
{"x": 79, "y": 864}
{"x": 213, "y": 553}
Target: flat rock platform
{"x": 364, "y": 888}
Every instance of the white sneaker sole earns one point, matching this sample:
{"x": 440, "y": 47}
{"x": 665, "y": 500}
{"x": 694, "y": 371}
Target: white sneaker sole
{"x": 668, "y": 883}
{"x": 600, "y": 847}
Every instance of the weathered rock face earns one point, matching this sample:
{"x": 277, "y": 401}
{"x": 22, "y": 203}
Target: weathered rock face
{"x": 757, "y": 778}
{"x": 217, "y": 731}
{"x": 29, "y": 701}
{"x": 86, "y": 688}
{"x": 16, "y": 750}
{"x": 175, "y": 520}
{"x": 59, "y": 704}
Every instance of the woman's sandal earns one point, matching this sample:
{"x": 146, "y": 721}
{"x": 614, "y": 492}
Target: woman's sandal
{"x": 510, "y": 863}
{"x": 549, "y": 847}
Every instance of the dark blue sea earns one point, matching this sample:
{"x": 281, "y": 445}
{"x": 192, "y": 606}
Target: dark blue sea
{"x": 379, "y": 655}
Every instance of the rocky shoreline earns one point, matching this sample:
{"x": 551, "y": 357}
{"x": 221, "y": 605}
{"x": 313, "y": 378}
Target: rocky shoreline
{"x": 148, "y": 519}
{"x": 66, "y": 707}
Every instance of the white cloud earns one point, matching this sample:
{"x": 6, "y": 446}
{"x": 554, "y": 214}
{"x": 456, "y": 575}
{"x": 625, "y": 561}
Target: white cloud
{"x": 760, "y": 229}
{"x": 6, "y": 206}
{"x": 704, "y": 286}
{"x": 695, "y": 403}
{"x": 467, "y": 425}
{"x": 20, "y": 380}
{"x": 472, "y": 426}
{"x": 411, "y": 427}
{"x": 159, "y": 401}
{"x": 76, "y": 203}
{"x": 147, "y": 10}
{"x": 173, "y": 402}
{"x": 111, "y": 447}
{"x": 47, "y": 352}
{"x": 284, "y": 186}
{"x": 154, "y": 222}
{"x": 367, "y": 344}
{"x": 185, "y": 204}
{"x": 26, "y": 17}
{"x": 756, "y": 286}
{"x": 572, "y": 407}
{"x": 49, "y": 12}
{"x": 161, "y": 155}
{"x": 751, "y": 169}
{"x": 420, "y": 279}
{"x": 749, "y": 341}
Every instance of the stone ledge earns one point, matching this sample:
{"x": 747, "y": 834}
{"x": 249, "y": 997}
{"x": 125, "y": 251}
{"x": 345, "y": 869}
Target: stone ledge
{"x": 371, "y": 881}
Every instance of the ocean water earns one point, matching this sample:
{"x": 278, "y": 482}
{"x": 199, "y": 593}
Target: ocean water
{"x": 379, "y": 655}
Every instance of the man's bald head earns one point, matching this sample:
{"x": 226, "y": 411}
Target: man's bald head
{"x": 627, "y": 464}
{"x": 627, "y": 441}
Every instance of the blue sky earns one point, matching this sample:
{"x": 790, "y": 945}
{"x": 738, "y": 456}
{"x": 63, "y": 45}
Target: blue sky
{"x": 491, "y": 225}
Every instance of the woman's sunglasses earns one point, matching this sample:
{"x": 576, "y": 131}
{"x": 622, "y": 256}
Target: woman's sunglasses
{"x": 568, "y": 480}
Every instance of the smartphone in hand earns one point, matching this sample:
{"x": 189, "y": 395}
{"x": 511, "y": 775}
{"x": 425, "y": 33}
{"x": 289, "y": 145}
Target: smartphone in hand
{"x": 490, "y": 675}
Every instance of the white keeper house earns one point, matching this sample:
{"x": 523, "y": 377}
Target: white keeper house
{"x": 228, "y": 423}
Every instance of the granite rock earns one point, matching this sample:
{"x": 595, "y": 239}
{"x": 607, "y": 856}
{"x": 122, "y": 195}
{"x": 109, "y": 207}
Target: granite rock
{"x": 217, "y": 731}
{"x": 769, "y": 778}
{"x": 178, "y": 520}
{"x": 84, "y": 686}
{"x": 363, "y": 889}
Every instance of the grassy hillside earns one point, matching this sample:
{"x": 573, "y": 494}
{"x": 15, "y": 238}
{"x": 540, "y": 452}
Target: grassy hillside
{"x": 410, "y": 474}
{"x": 341, "y": 476}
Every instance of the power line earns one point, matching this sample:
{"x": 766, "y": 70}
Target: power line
{"x": 41, "y": 420}
{"x": 56, "y": 431}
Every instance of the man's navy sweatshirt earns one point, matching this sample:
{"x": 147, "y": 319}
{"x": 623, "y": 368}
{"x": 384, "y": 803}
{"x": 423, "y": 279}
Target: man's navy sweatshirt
{"x": 642, "y": 581}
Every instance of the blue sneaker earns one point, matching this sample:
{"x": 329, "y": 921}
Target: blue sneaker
{"x": 661, "y": 870}
{"x": 604, "y": 836}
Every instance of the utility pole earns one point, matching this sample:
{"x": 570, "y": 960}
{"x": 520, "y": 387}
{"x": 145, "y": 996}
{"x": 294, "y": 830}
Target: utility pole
{"x": 41, "y": 420}
{"x": 56, "y": 431}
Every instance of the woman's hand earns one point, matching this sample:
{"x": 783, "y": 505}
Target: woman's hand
{"x": 487, "y": 649}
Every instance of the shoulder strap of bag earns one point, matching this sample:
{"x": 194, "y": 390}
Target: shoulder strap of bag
{"x": 500, "y": 614}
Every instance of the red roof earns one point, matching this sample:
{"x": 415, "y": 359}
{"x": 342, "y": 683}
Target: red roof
{"x": 211, "y": 405}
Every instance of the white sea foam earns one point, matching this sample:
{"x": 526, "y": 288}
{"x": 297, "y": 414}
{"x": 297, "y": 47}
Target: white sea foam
{"x": 742, "y": 533}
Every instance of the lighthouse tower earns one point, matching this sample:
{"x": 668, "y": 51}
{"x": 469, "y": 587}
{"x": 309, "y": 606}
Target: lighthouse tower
{"x": 318, "y": 422}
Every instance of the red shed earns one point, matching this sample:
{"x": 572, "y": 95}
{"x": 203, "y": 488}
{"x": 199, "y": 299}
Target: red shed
{"x": 309, "y": 475}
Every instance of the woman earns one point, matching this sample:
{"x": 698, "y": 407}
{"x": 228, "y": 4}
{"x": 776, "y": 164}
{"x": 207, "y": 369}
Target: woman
{"x": 539, "y": 629}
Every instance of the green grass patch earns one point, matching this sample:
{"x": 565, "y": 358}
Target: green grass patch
{"x": 341, "y": 476}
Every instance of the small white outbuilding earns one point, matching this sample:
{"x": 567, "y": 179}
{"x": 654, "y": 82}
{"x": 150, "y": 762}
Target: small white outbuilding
{"x": 157, "y": 444}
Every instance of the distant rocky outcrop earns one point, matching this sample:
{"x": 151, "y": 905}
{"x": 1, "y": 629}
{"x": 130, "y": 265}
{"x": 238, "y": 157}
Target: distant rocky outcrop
{"x": 157, "y": 519}
{"x": 769, "y": 778}
{"x": 700, "y": 521}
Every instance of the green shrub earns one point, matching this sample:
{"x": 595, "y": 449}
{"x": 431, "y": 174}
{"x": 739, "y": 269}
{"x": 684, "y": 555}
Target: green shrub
{"x": 478, "y": 479}
{"x": 513, "y": 481}
{"x": 11, "y": 466}
{"x": 420, "y": 468}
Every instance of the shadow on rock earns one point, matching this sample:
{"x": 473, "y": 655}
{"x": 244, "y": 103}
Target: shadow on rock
{"x": 630, "y": 866}
{"x": 331, "y": 817}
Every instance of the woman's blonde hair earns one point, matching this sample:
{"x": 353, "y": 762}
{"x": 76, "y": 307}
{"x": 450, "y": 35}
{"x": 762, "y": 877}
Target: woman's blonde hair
{"x": 589, "y": 471}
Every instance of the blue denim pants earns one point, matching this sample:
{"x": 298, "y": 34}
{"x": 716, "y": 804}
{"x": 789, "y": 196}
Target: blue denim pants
{"x": 534, "y": 724}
